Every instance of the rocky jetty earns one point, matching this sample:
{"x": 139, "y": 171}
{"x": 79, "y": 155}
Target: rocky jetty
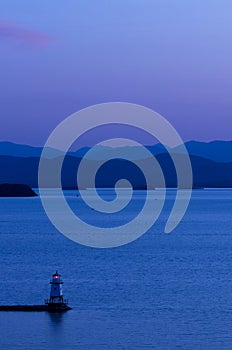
{"x": 59, "y": 308}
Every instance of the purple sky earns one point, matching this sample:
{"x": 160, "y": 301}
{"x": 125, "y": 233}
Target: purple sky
{"x": 59, "y": 56}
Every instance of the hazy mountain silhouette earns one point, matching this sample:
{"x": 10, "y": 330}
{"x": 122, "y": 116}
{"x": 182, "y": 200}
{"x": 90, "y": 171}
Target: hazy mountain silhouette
{"x": 218, "y": 151}
{"x": 18, "y": 150}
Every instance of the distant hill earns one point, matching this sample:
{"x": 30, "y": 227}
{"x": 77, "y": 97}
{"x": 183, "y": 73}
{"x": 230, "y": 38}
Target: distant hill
{"x": 16, "y": 190}
{"x": 218, "y": 151}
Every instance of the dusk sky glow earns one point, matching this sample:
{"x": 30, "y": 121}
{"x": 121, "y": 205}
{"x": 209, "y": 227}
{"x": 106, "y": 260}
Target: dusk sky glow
{"x": 172, "y": 56}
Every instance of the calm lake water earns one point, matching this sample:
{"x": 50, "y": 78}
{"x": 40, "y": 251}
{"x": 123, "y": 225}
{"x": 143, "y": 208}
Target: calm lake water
{"x": 159, "y": 292}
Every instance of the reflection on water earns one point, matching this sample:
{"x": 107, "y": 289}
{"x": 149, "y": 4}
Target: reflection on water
{"x": 56, "y": 319}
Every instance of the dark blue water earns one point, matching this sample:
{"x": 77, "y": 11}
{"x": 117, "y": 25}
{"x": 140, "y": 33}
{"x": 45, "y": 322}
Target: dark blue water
{"x": 159, "y": 292}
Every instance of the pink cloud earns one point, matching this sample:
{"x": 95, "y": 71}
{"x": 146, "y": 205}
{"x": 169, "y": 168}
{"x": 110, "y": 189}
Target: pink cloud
{"x": 23, "y": 36}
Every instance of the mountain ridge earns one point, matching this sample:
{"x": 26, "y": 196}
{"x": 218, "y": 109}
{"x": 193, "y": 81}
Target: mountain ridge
{"x": 218, "y": 150}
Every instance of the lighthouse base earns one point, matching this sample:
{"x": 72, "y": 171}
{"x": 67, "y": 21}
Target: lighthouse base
{"x": 58, "y": 307}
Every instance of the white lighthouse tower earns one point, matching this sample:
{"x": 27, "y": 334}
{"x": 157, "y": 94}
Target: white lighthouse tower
{"x": 56, "y": 301}
{"x": 56, "y": 294}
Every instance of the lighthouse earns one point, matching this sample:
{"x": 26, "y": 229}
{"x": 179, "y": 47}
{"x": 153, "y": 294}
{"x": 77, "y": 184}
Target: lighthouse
{"x": 56, "y": 301}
